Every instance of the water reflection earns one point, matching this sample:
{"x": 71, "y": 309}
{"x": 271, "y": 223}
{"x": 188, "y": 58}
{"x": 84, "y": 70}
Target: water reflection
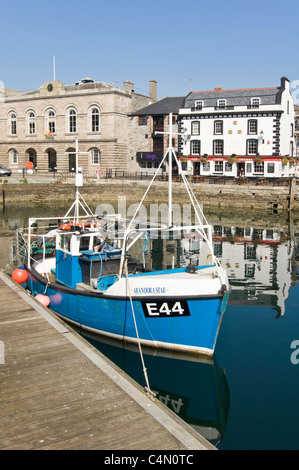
{"x": 194, "y": 388}
{"x": 262, "y": 259}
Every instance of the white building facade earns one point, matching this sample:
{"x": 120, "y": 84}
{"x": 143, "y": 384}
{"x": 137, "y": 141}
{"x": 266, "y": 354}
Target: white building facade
{"x": 246, "y": 132}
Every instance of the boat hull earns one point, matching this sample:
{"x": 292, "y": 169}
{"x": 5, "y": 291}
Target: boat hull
{"x": 183, "y": 324}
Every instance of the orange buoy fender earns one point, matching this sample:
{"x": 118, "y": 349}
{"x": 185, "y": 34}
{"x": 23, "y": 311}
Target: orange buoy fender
{"x": 43, "y": 299}
{"x": 20, "y": 275}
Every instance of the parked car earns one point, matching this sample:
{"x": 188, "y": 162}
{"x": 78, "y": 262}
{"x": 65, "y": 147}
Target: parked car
{"x": 4, "y": 171}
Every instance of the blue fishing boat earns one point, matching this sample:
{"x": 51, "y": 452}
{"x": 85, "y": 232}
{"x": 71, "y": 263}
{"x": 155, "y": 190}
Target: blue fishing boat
{"x": 103, "y": 276}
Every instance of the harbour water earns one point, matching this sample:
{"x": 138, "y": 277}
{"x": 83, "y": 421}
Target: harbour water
{"x": 246, "y": 398}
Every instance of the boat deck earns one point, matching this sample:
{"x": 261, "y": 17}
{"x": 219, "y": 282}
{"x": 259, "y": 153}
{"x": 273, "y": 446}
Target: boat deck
{"x": 58, "y": 392}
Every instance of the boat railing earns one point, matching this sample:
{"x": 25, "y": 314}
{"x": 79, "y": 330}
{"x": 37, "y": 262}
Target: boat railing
{"x": 132, "y": 235}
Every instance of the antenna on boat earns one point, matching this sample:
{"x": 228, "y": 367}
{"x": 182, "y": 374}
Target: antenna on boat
{"x": 78, "y": 183}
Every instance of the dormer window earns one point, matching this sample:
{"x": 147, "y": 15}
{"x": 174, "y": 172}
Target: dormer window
{"x": 255, "y": 102}
{"x": 221, "y": 103}
{"x": 199, "y": 104}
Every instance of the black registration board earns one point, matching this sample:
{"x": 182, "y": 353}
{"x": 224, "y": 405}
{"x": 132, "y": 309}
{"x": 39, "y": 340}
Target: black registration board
{"x": 165, "y": 308}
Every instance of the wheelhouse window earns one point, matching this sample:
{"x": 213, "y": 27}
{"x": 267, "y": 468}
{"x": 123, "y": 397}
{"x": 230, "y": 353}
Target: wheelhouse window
{"x": 252, "y": 146}
{"x": 195, "y": 127}
{"x": 218, "y": 127}
{"x": 13, "y": 124}
{"x": 95, "y": 157}
{"x": 72, "y": 121}
{"x": 95, "y": 120}
{"x": 31, "y": 123}
{"x": 51, "y": 122}
{"x": 195, "y": 147}
{"x": 252, "y": 126}
{"x": 218, "y": 147}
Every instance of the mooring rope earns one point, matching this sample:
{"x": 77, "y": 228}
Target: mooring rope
{"x": 150, "y": 393}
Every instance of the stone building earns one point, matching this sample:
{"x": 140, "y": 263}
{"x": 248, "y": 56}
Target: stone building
{"x": 148, "y": 122}
{"x": 42, "y": 126}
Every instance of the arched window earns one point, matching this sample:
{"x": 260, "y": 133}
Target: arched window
{"x": 51, "y": 127}
{"x": 31, "y": 123}
{"x": 95, "y": 120}
{"x": 72, "y": 121}
{"x": 13, "y": 124}
{"x": 95, "y": 157}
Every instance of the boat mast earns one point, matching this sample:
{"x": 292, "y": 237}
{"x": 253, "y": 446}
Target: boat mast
{"x": 170, "y": 150}
{"x": 76, "y": 214}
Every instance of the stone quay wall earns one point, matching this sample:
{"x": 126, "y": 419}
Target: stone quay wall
{"x": 212, "y": 196}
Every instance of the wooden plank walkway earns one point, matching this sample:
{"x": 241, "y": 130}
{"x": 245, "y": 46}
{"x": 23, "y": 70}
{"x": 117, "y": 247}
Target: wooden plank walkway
{"x": 58, "y": 392}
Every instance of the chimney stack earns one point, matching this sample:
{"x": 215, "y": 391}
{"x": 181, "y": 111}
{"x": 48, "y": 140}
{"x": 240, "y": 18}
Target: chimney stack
{"x": 129, "y": 86}
{"x": 153, "y": 89}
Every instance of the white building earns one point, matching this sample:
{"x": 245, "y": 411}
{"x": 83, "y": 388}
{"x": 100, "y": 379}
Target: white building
{"x": 245, "y": 132}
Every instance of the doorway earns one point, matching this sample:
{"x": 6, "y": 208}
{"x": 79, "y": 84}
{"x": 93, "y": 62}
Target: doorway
{"x": 52, "y": 160}
{"x": 241, "y": 169}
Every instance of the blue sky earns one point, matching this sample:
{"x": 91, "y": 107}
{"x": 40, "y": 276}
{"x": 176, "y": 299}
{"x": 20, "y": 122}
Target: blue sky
{"x": 198, "y": 44}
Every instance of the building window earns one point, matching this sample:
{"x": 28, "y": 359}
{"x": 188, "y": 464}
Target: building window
{"x": 221, "y": 103}
{"x": 51, "y": 122}
{"x": 195, "y": 147}
{"x": 252, "y": 126}
{"x": 95, "y": 120}
{"x": 248, "y": 167}
{"x": 218, "y": 147}
{"x": 249, "y": 270}
{"x": 291, "y": 149}
{"x": 142, "y": 121}
{"x": 255, "y": 102}
{"x": 252, "y": 146}
{"x": 259, "y": 168}
{"x": 271, "y": 167}
{"x": 31, "y": 123}
{"x": 13, "y": 157}
{"x": 218, "y": 127}
{"x": 95, "y": 157}
{"x": 199, "y": 104}
{"x": 195, "y": 127}
{"x": 218, "y": 166}
{"x": 228, "y": 167}
{"x": 72, "y": 121}
{"x": 206, "y": 166}
{"x": 13, "y": 124}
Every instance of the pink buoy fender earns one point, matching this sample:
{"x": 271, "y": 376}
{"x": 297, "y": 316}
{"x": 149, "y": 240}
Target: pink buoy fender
{"x": 43, "y": 299}
{"x": 20, "y": 275}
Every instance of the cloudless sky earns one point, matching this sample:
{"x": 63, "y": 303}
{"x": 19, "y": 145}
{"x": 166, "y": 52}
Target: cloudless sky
{"x": 192, "y": 44}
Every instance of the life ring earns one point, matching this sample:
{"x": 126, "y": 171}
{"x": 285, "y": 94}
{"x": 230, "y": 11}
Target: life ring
{"x": 71, "y": 224}
{"x": 65, "y": 226}
{"x": 29, "y": 165}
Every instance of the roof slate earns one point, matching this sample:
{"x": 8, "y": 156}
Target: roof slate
{"x": 165, "y": 106}
{"x": 240, "y": 97}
